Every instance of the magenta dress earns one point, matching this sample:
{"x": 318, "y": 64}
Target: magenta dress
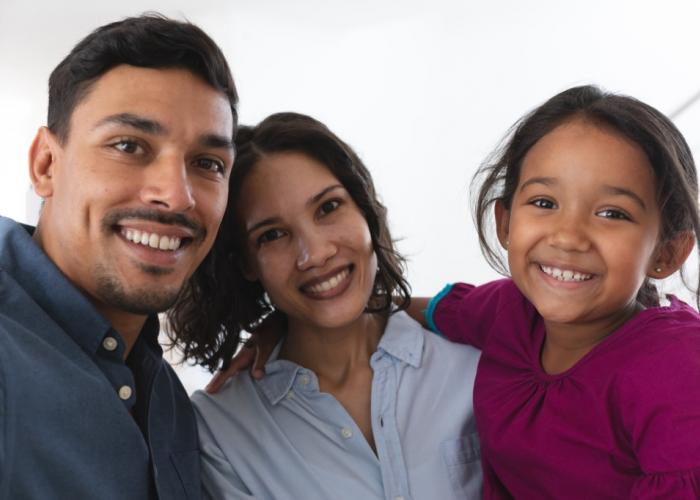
{"x": 624, "y": 422}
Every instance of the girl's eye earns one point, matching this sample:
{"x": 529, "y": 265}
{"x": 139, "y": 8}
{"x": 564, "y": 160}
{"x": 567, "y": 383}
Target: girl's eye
{"x": 610, "y": 213}
{"x": 329, "y": 206}
{"x": 543, "y": 203}
{"x": 270, "y": 235}
{"x": 127, "y": 146}
{"x": 210, "y": 164}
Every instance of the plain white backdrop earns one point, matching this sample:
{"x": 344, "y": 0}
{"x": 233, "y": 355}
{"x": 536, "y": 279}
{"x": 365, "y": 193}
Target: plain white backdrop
{"x": 423, "y": 90}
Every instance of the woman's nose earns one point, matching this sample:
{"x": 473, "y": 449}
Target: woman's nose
{"x": 315, "y": 248}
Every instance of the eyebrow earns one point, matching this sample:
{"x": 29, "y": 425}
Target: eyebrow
{"x": 317, "y": 197}
{"x": 620, "y": 191}
{"x": 547, "y": 181}
{"x": 134, "y": 121}
{"x": 154, "y": 127}
{"x": 314, "y": 199}
{"x": 607, "y": 188}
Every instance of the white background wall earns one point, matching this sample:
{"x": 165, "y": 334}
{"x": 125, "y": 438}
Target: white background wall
{"x": 422, "y": 89}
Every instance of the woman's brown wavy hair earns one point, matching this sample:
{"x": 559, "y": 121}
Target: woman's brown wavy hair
{"x": 217, "y": 304}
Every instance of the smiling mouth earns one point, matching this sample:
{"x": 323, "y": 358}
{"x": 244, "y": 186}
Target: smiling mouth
{"x": 154, "y": 240}
{"x": 566, "y": 275}
{"x": 329, "y": 286}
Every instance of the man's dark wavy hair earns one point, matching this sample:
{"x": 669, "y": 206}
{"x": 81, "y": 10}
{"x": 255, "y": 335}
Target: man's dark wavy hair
{"x": 218, "y": 303}
{"x": 668, "y": 153}
{"x": 147, "y": 41}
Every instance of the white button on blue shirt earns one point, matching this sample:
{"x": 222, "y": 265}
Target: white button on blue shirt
{"x": 281, "y": 437}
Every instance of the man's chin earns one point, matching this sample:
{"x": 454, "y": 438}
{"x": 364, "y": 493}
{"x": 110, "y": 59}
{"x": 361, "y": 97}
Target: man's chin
{"x": 143, "y": 300}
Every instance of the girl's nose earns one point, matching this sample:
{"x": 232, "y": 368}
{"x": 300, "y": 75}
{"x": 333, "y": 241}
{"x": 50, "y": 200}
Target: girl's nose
{"x": 315, "y": 248}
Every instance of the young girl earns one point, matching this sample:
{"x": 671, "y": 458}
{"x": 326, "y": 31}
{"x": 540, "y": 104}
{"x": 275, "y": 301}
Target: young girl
{"x": 587, "y": 387}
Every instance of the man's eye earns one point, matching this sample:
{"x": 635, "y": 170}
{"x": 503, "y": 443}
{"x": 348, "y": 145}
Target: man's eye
{"x": 611, "y": 213}
{"x": 127, "y": 146}
{"x": 270, "y": 235}
{"x": 329, "y": 206}
{"x": 543, "y": 203}
{"x": 210, "y": 164}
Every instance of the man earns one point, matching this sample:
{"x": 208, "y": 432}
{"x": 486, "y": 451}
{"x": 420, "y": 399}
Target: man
{"x": 133, "y": 169}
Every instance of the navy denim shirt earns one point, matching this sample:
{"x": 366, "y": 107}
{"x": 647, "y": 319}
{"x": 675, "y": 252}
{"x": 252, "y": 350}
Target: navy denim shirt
{"x": 76, "y": 421}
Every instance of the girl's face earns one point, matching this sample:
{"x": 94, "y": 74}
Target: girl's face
{"x": 583, "y": 226}
{"x": 307, "y": 241}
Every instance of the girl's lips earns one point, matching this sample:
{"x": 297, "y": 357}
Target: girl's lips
{"x": 567, "y": 279}
{"x": 329, "y": 285}
{"x": 565, "y": 274}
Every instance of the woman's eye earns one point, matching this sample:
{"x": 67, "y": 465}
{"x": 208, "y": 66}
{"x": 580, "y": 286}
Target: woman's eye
{"x": 329, "y": 206}
{"x": 210, "y": 164}
{"x": 270, "y": 235}
{"x": 610, "y": 213}
{"x": 543, "y": 203}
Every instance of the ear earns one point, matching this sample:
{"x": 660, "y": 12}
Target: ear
{"x": 43, "y": 154}
{"x": 670, "y": 256}
{"x": 502, "y": 223}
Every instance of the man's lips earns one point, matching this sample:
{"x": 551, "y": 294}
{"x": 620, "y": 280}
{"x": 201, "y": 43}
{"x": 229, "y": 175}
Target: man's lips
{"x": 153, "y": 239}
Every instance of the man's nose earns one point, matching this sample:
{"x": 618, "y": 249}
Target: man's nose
{"x": 168, "y": 185}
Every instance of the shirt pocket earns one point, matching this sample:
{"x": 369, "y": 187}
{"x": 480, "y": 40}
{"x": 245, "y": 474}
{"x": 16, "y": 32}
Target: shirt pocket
{"x": 462, "y": 458}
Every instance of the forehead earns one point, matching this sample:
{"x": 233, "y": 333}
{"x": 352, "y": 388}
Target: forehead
{"x": 280, "y": 182}
{"x": 587, "y": 155}
{"x": 176, "y": 98}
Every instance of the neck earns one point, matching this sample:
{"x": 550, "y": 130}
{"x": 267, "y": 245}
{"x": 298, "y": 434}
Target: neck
{"x": 565, "y": 344}
{"x": 127, "y": 324}
{"x": 333, "y": 353}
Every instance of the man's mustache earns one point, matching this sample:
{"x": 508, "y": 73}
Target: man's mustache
{"x": 115, "y": 218}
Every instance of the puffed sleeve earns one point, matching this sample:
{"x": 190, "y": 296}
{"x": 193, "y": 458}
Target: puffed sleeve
{"x": 661, "y": 411}
{"x": 467, "y": 314}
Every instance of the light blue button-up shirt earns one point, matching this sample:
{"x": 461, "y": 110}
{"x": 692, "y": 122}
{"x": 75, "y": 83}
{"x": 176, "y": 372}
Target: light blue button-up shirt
{"x": 281, "y": 438}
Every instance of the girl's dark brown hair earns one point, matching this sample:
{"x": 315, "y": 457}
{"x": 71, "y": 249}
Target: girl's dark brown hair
{"x": 218, "y": 303}
{"x": 665, "y": 147}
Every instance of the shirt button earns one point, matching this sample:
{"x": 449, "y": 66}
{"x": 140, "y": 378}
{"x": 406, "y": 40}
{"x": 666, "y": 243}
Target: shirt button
{"x": 398, "y": 498}
{"x": 305, "y": 379}
{"x": 346, "y": 432}
{"x": 290, "y": 395}
{"x": 125, "y": 392}
{"x": 110, "y": 343}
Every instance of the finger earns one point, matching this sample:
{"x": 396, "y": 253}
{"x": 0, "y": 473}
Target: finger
{"x": 258, "y": 368}
{"x": 215, "y": 383}
{"x": 240, "y": 361}
{"x": 262, "y": 355}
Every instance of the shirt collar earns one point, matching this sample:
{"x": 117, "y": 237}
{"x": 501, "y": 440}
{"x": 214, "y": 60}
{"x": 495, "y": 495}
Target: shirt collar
{"x": 25, "y": 262}
{"x": 402, "y": 340}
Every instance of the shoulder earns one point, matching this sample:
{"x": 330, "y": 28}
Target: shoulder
{"x": 236, "y": 405}
{"x": 437, "y": 353}
{"x": 659, "y": 362}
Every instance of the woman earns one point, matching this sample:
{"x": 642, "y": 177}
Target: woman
{"x": 359, "y": 401}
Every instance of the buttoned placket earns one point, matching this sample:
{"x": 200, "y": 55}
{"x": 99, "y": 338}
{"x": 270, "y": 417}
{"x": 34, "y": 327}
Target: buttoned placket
{"x": 110, "y": 353}
{"x": 387, "y": 373}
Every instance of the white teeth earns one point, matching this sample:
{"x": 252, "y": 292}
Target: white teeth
{"x": 565, "y": 274}
{"x": 152, "y": 240}
{"x": 330, "y": 283}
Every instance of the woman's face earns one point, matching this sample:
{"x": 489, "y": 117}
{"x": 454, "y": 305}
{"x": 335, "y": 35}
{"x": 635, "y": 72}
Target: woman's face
{"x": 306, "y": 241}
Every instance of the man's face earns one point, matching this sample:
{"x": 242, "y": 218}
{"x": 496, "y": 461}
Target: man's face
{"x": 135, "y": 194}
